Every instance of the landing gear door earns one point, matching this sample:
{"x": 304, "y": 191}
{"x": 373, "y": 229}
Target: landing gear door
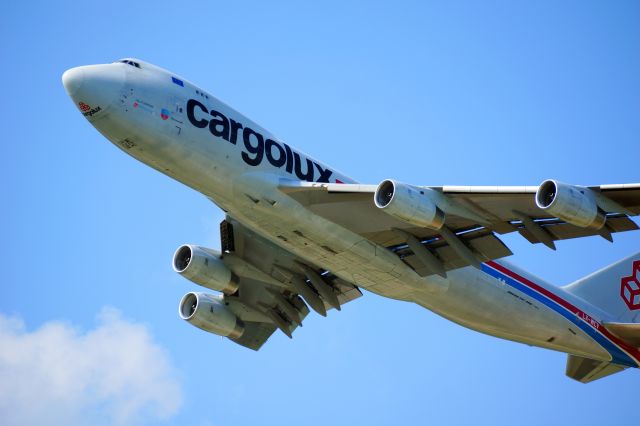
{"x": 177, "y": 114}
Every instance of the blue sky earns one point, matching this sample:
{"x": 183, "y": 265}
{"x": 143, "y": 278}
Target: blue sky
{"x": 429, "y": 93}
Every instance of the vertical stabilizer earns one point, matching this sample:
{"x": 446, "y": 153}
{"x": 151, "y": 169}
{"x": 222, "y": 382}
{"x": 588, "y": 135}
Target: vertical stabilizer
{"x": 614, "y": 289}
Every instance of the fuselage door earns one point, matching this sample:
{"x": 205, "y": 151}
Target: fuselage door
{"x": 177, "y": 114}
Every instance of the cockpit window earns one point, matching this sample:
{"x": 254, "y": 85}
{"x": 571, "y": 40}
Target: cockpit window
{"x": 129, "y": 62}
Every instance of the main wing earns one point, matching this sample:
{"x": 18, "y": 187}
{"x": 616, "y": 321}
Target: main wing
{"x": 272, "y": 283}
{"x": 432, "y": 229}
{"x": 446, "y": 227}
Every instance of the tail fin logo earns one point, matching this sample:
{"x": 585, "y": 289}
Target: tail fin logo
{"x": 630, "y": 287}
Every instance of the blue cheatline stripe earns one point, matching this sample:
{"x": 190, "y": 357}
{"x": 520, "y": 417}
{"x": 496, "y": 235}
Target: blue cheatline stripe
{"x": 618, "y": 356}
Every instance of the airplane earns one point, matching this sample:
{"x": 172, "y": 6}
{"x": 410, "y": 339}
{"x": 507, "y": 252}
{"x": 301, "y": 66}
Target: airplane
{"x": 300, "y": 235}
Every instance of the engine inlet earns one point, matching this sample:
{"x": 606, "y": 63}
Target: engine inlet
{"x": 182, "y": 258}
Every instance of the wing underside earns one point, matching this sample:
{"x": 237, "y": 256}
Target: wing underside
{"x": 275, "y": 288}
{"x": 479, "y": 215}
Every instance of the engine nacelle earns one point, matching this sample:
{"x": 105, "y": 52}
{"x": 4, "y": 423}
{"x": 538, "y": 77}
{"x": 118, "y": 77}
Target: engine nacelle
{"x": 205, "y": 267}
{"x": 209, "y": 313}
{"x": 573, "y": 204}
{"x": 409, "y": 204}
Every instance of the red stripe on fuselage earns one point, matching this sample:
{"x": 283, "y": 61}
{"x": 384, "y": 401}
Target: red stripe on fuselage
{"x": 633, "y": 352}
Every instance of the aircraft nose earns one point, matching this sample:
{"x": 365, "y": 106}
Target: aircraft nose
{"x": 94, "y": 88}
{"x": 72, "y": 80}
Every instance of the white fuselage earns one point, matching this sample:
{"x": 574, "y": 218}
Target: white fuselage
{"x": 180, "y": 130}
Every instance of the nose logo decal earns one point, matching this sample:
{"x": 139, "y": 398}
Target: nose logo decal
{"x": 164, "y": 114}
{"x": 630, "y": 287}
{"x": 87, "y": 111}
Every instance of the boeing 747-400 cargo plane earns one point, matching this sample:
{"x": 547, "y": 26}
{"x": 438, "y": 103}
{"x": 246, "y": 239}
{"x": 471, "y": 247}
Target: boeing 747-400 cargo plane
{"x": 298, "y": 234}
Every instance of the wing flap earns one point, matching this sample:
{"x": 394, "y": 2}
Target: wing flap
{"x": 484, "y": 243}
{"x": 266, "y": 300}
{"x": 255, "y": 335}
{"x": 560, "y": 230}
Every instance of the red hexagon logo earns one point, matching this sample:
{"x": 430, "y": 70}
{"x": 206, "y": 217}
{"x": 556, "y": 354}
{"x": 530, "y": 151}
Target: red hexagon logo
{"x": 630, "y": 287}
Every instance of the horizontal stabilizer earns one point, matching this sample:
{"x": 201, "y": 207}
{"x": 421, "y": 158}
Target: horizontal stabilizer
{"x": 587, "y": 370}
{"x": 627, "y": 332}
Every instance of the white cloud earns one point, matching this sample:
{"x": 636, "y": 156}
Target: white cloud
{"x": 57, "y": 375}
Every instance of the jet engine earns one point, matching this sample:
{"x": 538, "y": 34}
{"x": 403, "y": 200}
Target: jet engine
{"x": 409, "y": 204}
{"x": 205, "y": 267}
{"x": 573, "y": 204}
{"x": 209, "y": 313}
